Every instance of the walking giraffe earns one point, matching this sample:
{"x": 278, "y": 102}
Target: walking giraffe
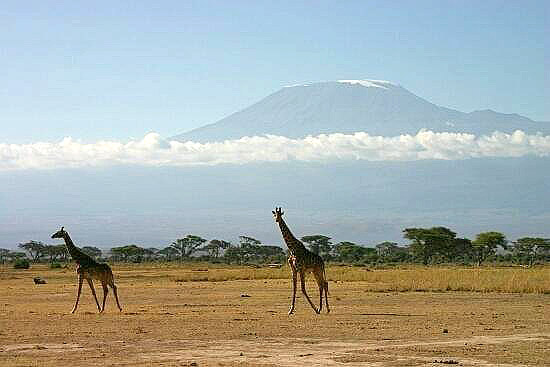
{"x": 89, "y": 269}
{"x": 303, "y": 261}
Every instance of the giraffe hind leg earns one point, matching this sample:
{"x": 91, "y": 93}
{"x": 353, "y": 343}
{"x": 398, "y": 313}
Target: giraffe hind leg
{"x": 320, "y": 279}
{"x": 303, "y": 283}
{"x": 326, "y": 296}
{"x": 113, "y": 286}
{"x": 91, "y": 284}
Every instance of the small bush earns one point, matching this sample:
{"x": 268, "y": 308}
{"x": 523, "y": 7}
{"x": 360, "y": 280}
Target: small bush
{"x": 21, "y": 264}
{"x": 55, "y": 266}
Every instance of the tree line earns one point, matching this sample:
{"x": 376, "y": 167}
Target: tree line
{"x": 427, "y": 246}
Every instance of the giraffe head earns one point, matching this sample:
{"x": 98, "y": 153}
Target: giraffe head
{"x": 59, "y": 234}
{"x": 278, "y": 214}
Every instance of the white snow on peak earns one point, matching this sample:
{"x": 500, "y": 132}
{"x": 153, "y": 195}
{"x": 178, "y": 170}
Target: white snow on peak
{"x": 369, "y": 83}
{"x": 384, "y": 84}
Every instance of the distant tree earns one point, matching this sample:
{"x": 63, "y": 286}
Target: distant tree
{"x": 188, "y": 245}
{"x": 92, "y": 251}
{"x": 233, "y": 255}
{"x": 3, "y": 255}
{"x": 214, "y": 246}
{"x": 270, "y": 253}
{"x": 15, "y": 255}
{"x": 150, "y": 253}
{"x": 128, "y": 253}
{"x": 386, "y": 249}
{"x": 351, "y": 252}
{"x": 319, "y": 245}
{"x": 55, "y": 251}
{"x": 34, "y": 248}
{"x": 250, "y": 248}
{"x": 462, "y": 250}
{"x": 169, "y": 253}
{"x": 529, "y": 247}
{"x": 428, "y": 243}
{"x": 486, "y": 243}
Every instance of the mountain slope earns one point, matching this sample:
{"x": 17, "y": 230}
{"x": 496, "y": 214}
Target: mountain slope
{"x": 347, "y": 106}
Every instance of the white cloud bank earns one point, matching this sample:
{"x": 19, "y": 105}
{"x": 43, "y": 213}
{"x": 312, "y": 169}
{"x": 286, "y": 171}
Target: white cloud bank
{"x": 152, "y": 150}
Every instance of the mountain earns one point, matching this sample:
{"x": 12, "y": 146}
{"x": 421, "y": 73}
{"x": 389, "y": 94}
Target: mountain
{"x": 347, "y": 106}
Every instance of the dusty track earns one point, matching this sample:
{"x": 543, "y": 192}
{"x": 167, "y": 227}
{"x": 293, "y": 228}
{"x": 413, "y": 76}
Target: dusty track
{"x": 173, "y": 323}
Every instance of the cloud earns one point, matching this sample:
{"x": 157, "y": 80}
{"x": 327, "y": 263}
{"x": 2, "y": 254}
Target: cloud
{"x": 152, "y": 150}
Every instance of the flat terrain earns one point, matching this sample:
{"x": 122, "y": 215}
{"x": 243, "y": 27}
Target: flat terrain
{"x": 170, "y": 321}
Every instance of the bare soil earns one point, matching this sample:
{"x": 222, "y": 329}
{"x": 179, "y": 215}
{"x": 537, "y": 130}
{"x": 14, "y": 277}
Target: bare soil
{"x": 172, "y": 323}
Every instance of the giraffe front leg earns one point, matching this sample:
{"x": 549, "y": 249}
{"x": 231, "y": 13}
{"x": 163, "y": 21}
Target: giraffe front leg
{"x": 80, "y": 280}
{"x": 91, "y": 284}
{"x": 303, "y": 283}
{"x": 294, "y": 283}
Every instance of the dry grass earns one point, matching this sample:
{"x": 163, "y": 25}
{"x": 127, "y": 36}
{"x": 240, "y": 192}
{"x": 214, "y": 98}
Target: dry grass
{"x": 440, "y": 279}
{"x": 415, "y": 278}
{"x": 169, "y": 320}
{"x": 401, "y": 279}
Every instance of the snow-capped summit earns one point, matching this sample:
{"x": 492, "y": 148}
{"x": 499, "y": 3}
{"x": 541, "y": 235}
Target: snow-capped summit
{"x": 369, "y": 83}
{"x": 374, "y": 106}
{"x": 373, "y": 83}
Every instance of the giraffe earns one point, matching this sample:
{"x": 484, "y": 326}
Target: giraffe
{"x": 89, "y": 269}
{"x": 303, "y": 261}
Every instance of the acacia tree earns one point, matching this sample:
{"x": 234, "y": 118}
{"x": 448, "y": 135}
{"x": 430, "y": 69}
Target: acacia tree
{"x": 530, "y": 247}
{"x": 486, "y": 244}
{"x": 56, "y": 251}
{"x": 92, "y": 251}
{"x": 188, "y": 245}
{"x": 427, "y": 243}
{"x": 250, "y": 247}
{"x": 269, "y": 252}
{"x": 349, "y": 251}
{"x": 128, "y": 252}
{"x": 233, "y": 255}
{"x": 214, "y": 246}
{"x": 319, "y": 245}
{"x": 169, "y": 253}
{"x": 3, "y": 254}
{"x": 34, "y": 248}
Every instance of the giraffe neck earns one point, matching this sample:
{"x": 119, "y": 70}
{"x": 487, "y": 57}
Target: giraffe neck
{"x": 78, "y": 256}
{"x": 292, "y": 242}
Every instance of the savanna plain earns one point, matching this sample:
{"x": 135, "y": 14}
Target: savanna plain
{"x": 213, "y": 315}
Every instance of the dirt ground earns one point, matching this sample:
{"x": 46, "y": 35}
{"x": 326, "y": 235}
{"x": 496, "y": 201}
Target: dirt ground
{"x": 245, "y": 323}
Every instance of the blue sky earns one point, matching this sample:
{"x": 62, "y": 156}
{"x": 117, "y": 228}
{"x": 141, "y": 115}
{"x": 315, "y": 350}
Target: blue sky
{"x": 115, "y": 70}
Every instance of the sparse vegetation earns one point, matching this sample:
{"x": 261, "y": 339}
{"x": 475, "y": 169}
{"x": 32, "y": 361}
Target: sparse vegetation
{"x": 427, "y": 246}
{"x": 21, "y": 264}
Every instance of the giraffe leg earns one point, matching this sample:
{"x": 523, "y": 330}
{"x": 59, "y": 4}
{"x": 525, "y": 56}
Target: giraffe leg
{"x": 303, "y": 283}
{"x": 326, "y": 295}
{"x": 294, "y": 281}
{"x": 116, "y": 295}
{"x": 80, "y": 280}
{"x": 321, "y": 283}
{"x": 105, "y": 292}
{"x": 91, "y": 284}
